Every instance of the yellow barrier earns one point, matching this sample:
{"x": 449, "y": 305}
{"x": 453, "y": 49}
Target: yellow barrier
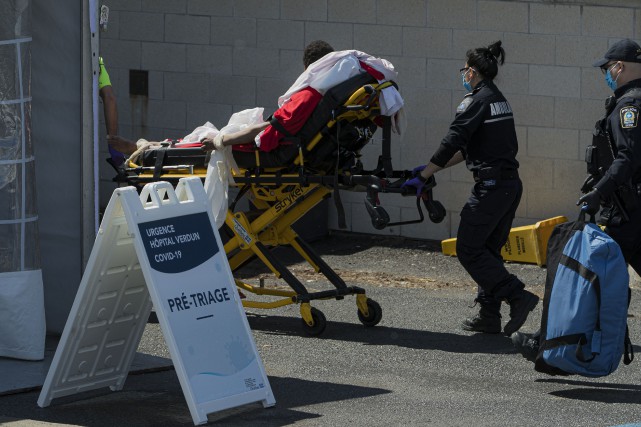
{"x": 524, "y": 244}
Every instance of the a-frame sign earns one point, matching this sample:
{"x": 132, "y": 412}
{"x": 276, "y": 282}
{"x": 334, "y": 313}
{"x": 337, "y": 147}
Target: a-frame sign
{"x": 161, "y": 244}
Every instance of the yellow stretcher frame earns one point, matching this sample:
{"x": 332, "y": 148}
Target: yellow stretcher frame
{"x": 273, "y": 228}
{"x": 283, "y": 198}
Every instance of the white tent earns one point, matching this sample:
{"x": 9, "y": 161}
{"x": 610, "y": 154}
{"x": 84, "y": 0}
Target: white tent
{"x": 48, "y": 178}
{"x": 22, "y": 318}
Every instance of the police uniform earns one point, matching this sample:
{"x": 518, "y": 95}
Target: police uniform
{"x": 620, "y": 187}
{"x": 483, "y": 131}
{"x": 614, "y": 168}
{"x": 614, "y": 164}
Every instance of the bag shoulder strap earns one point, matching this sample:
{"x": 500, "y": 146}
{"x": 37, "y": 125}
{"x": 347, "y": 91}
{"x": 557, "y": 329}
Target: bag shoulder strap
{"x": 628, "y": 349}
{"x": 591, "y": 277}
{"x": 579, "y": 339}
{"x": 566, "y": 340}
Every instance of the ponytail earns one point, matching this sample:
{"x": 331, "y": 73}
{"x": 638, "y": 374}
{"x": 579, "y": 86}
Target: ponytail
{"x": 497, "y": 51}
{"x": 487, "y": 59}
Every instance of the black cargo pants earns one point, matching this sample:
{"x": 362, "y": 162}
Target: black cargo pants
{"x": 628, "y": 237}
{"x": 486, "y": 220}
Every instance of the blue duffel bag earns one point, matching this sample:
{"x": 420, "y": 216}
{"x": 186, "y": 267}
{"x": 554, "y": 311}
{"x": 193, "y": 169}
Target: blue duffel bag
{"x": 584, "y": 320}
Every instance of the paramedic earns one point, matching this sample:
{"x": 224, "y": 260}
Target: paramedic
{"x": 275, "y": 149}
{"x": 110, "y": 110}
{"x": 621, "y": 66}
{"x": 483, "y": 135}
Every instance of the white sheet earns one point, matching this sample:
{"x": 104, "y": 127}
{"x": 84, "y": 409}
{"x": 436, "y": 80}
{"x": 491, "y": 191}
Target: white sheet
{"x": 336, "y": 67}
{"x": 222, "y": 162}
{"x": 22, "y": 317}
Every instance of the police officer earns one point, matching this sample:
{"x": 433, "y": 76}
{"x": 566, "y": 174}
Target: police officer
{"x": 615, "y": 181}
{"x": 483, "y": 135}
{"x": 619, "y": 189}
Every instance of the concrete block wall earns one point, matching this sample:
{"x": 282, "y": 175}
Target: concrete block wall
{"x": 207, "y": 59}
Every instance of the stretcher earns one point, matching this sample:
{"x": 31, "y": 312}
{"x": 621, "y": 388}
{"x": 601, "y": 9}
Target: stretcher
{"x": 327, "y": 160}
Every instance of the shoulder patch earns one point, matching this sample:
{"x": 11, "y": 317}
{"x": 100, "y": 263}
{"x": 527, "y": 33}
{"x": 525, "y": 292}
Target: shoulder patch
{"x": 629, "y": 117}
{"x": 464, "y": 104}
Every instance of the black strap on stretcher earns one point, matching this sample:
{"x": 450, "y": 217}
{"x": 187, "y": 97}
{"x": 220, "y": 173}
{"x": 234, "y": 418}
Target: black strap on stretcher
{"x": 340, "y": 210}
{"x": 160, "y": 159}
{"x": 338, "y": 203}
{"x": 386, "y": 155}
{"x": 280, "y": 128}
{"x": 273, "y": 121}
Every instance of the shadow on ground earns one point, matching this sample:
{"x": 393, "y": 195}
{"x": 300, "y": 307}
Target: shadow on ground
{"x": 339, "y": 244}
{"x": 596, "y": 391}
{"x": 387, "y": 336}
{"x": 293, "y": 393}
{"x": 157, "y": 399}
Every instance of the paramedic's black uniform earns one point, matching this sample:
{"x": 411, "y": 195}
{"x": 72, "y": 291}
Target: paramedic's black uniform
{"x": 624, "y": 129}
{"x": 483, "y": 130}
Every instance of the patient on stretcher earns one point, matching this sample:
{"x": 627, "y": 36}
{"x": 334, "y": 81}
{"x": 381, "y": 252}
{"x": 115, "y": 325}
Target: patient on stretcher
{"x": 273, "y": 151}
{"x": 273, "y": 141}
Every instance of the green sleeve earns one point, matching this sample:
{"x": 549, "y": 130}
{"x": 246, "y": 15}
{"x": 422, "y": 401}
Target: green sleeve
{"x": 103, "y": 76}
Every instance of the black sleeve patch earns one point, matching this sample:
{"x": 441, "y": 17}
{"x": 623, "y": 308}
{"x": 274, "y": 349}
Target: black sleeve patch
{"x": 629, "y": 117}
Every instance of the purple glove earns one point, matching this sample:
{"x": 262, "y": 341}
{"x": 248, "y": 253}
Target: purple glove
{"x": 417, "y": 170}
{"x": 417, "y": 182}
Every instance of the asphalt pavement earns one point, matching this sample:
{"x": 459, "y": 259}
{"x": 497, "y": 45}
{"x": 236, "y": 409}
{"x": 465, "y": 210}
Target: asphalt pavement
{"x": 415, "y": 368}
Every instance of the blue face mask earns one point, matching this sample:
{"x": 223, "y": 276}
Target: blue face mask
{"x": 609, "y": 80}
{"x": 466, "y": 84}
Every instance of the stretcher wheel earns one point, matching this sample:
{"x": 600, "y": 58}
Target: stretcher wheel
{"x": 436, "y": 212}
{"x": 374, "y": 315}
{"x": 319, "y": 323}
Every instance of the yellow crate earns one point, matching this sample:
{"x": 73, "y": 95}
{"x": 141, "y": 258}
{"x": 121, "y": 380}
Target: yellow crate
{"x": 524, "y": 244}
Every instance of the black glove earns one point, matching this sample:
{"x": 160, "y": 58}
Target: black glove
{"x": 591, "y": 202}
{"x": 589, "y": 183}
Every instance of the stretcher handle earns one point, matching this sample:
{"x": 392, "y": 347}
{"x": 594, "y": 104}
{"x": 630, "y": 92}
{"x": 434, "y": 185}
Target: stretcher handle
{"x": 420, "y": 219}
{"x": 410, "y": 191}
{"x": 370, "y": 100}
{"x": 396, "y": 188}
{"x": 158, "y": 193}
{"x": 139, "y": 169}
{"x": 435, "y": 209}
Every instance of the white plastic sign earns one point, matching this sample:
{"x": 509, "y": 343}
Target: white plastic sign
{"x": 167, "y": 241}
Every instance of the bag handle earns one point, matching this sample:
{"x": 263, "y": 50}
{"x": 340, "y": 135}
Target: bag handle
{"x": 583, "y": 213}
{"x": 628, "y": 350}
{"x": 567, "y": 340}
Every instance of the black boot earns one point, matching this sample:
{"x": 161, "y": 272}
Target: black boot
{"x": 526, "y": 344}
{"x": 521, "y": 304}
{"x": 484, "y": 321}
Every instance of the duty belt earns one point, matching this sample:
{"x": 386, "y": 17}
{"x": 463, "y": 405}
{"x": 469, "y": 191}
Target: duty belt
{"x": 506, "y": 175}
